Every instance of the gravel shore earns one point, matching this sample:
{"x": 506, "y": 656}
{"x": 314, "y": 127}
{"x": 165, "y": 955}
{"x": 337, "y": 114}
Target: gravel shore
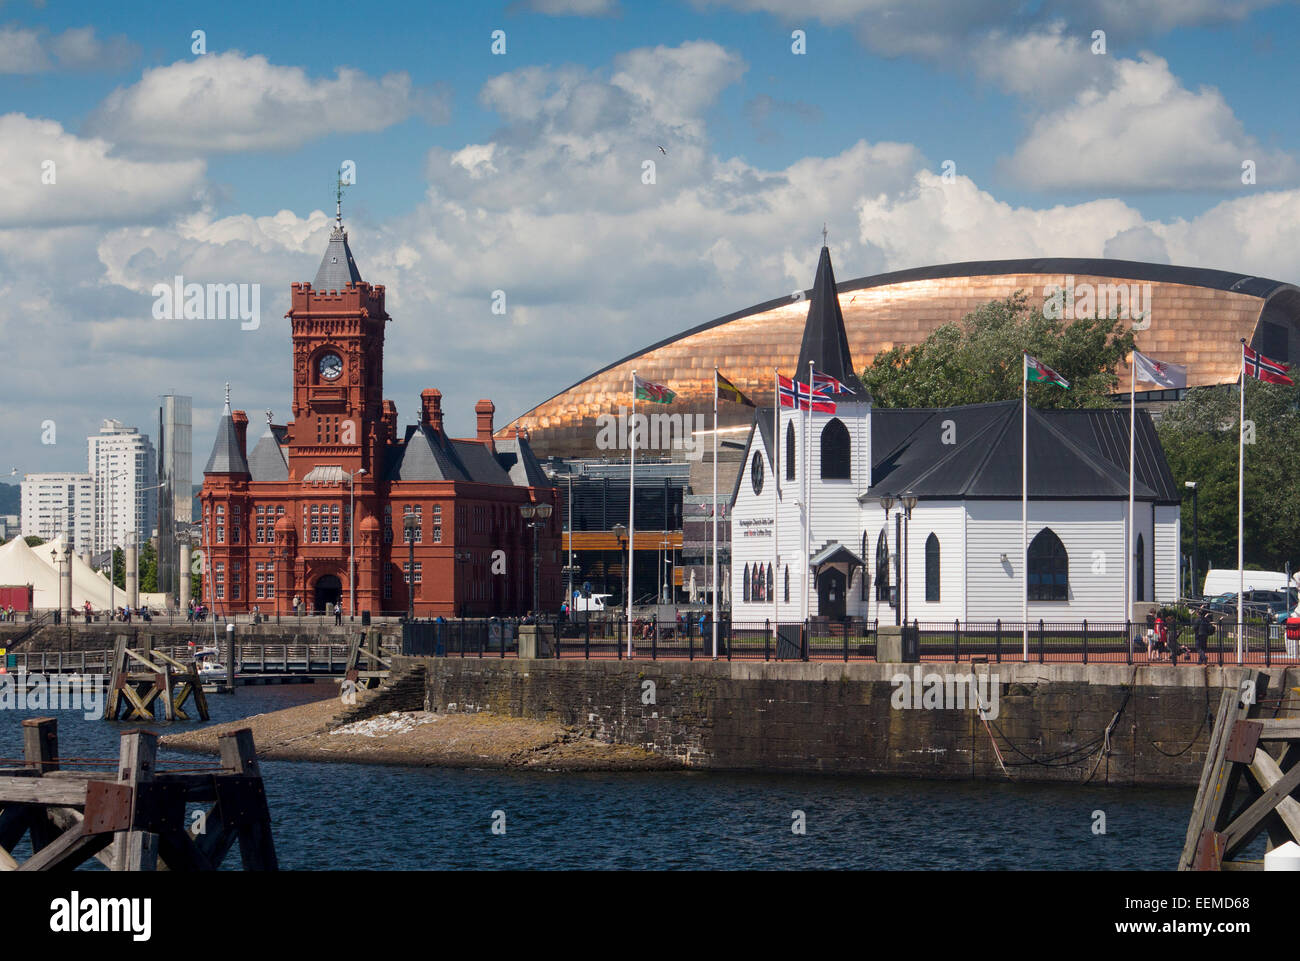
{"x": 311, "y": 732}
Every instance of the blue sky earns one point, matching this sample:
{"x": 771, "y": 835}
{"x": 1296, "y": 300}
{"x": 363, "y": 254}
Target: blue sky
{"x": 522, "y": 172}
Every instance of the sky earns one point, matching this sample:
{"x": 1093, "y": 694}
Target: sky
{"x": 500, "y": 154}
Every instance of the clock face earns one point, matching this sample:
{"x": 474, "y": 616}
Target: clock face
{"x": 331, "y": 366}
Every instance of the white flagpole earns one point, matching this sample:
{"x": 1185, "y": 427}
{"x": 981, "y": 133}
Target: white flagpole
{"x": 776, "y": 498}
{"x": 1024, "y": 503}
{"x": 1241, "y": 500}
{"x": 714, "y": 566}
{"x": 807, "y": 508}
{"x": 1128, "y": 536}
{"x": 631, "y": 513}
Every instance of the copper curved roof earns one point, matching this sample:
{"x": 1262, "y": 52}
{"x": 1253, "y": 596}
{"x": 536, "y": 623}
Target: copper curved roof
{"x": 1198, "y": 317}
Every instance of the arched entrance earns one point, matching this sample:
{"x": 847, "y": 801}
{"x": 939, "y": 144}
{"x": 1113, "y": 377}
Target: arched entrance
{"x": 328, "y": 592}
{"x": 831, "y": 587}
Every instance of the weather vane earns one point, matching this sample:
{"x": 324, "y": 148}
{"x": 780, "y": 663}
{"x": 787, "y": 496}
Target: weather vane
{"x": 227, "y": 393}
{"x": 268, "y": 417}
{"x": 339, "y": 184}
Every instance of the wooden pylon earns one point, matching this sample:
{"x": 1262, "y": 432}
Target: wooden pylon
{"x": 142, "y": 678}
{"x": 1250, "y": 783}
{"x": 133, "y": 818}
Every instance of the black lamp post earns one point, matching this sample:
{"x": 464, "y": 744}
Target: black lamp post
{"x": 908, "y": 500}
{"x": 275, "y": 581}
{"x": 1195, "y": 535}
{"x": 536, "y": 516}
{"x": 619, "y": 532}
{"x": 887, "y": 502}
{"x": 409, "y": 522}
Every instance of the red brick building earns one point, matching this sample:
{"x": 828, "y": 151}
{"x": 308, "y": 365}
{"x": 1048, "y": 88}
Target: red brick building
{"x": 275, "y": 518}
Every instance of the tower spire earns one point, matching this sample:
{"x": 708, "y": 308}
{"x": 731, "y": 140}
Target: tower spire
{"x": 227, "y": 397}
{"x": 339, "y": 184}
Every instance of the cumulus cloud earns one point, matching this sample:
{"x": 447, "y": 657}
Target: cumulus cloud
{"x": 227, "y": 102}
{"x": 1147, "y": 132}
{"x": 54, "y": 177}
{"x": 24, "y": 50}
{"x": 1137, "y": 243}
{"x": 941, "y": 29}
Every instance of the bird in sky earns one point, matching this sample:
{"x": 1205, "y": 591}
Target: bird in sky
{"x": 663, "y": 151}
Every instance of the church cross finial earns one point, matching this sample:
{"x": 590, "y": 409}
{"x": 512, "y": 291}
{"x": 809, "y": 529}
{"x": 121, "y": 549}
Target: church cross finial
{"x": 227, "y": 395}
{"x": 823, "y": 233}
{"x": 268, "y": 417}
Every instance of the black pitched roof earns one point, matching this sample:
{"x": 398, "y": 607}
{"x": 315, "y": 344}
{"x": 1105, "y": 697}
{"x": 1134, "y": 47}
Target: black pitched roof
{"x": 226, "y": 457}
{"x": 337, "y": 268}
{"x": 427, "y": 455}
{"x": 1074, "y": 454}
{"x": 516, "y": 457}
{"x": 825, "y": 342}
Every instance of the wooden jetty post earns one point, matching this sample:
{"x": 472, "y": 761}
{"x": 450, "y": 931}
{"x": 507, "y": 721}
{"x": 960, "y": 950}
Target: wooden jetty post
{"x": 140, "y": 679}
{"x": 1250, "y": 782}
{"x": 132, "y": 818}
{"x": 365, "y": 650}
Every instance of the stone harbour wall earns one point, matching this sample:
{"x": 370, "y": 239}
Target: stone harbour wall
{"x": 1108, "y": 723}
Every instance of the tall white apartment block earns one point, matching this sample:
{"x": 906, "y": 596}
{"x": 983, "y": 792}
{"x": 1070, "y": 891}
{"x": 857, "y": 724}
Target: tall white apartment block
{"x": 123, "y": 463}
{"x": 54, "y": 504}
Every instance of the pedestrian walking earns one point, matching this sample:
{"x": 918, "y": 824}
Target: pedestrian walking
{"x": 338, "y": 613}
{"x": 1203, "y": 631}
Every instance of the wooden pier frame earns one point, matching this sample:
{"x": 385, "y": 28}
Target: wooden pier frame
{"x": 365, "y": 649}
{"x": 1250, "y": 783}
{"x": 141, "y": 678}
{"x": 133, "y": 818}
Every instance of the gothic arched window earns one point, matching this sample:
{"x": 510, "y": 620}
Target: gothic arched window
{"x": 747, "y": 583}
{"x": 787, "y": 583}
{"x": 769, "y": 594}
{"x": 1140, "y": 570}
{"x": 932, "y": 568}
{"x": 789, "y": 451}
{"x": 1049, "y": 568}
{"x": 882, "y": 567}
{"x": 835, "y": 450}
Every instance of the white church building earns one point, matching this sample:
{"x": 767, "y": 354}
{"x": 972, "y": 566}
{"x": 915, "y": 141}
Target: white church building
{"x": 960, "y": 556}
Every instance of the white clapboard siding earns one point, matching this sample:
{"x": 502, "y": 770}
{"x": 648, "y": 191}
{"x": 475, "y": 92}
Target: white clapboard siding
{"x": 947, "y": 521}
{"x": 1168, "y": 542}
{"x": 835, "y": 514}
{"x": 1093, "y": 535}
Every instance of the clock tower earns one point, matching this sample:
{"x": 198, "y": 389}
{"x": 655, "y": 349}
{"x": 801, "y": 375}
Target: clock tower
{"x": 338, "y": 366}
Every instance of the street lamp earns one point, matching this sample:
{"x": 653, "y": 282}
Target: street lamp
{"x": 352, "y": 543}
{"x": 408, "y": 528}
{"x": 908, "y": 500}
{"x": 887, "y": 502}
{"x": 536, "y": 516}
{"x": 1195, "y": 535}
{"x": 619, "y": 532}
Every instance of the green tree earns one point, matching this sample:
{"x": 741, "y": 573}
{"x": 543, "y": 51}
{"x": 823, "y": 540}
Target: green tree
{"x": 148, "y": 569}
{"x": 979, "y": 360}
{"x": 119, "y": 568}
{"x": 34, "y": 541}
{"x": 1199, "y": 436}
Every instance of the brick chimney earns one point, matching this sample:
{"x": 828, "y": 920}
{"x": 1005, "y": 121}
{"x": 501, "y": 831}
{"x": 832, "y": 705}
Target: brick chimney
{"x": 485, "y": 409}
{"x": 431, "y": 409}
{"x": 388, "y": 422}
{"x": 240, "y": 420}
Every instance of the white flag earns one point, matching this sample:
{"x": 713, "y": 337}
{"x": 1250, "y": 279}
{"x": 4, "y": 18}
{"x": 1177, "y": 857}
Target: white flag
{"x": 1159, "y": 372}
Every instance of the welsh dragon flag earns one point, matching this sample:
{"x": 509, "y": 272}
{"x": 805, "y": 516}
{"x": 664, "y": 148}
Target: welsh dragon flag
{"x": 655, "y": 393}
{"x": 1038, "y": 372}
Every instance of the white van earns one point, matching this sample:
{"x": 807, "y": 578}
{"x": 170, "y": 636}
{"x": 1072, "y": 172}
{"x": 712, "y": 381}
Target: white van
{"x": 594, "y": 603}
{"x": 1229, "y": 581}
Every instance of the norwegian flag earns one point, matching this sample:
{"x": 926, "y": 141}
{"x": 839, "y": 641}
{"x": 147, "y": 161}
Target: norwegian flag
{"x": 794, "y": 390}
{"x": 1264, "y": 368}
{"x": 826, "y": 384}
